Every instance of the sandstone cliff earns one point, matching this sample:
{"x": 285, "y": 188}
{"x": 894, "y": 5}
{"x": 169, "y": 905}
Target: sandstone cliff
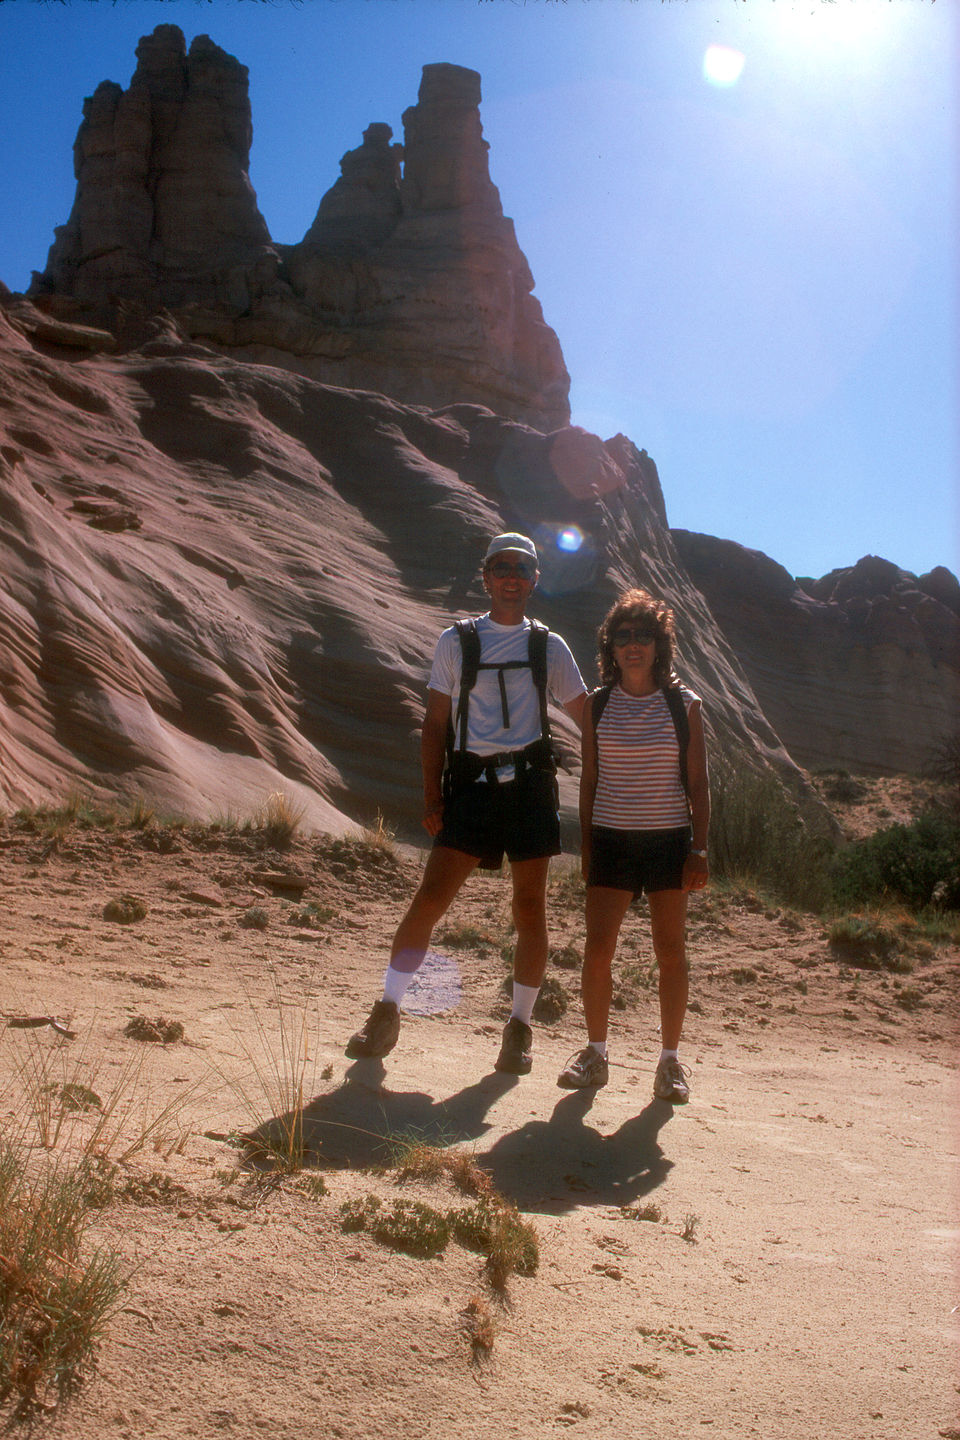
{"x": 218, "y": 579}
{"x": 860, "y": 668}
{"x": 221, "y": 577}
{"x": 410, "y": 280}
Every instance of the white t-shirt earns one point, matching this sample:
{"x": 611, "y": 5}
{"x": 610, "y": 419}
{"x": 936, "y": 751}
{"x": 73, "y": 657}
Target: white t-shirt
{"x": 486, "y": 734}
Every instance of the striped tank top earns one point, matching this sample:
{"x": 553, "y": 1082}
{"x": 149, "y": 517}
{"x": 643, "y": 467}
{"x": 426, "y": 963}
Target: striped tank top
{"x": 638, "y": 758}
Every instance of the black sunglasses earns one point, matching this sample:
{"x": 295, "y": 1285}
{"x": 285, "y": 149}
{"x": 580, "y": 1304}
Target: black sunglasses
{"x": 502, "y": 569}
{"x": 627, "y": 634}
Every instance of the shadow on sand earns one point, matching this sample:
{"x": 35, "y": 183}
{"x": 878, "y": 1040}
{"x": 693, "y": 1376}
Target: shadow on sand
{"x": 547, "y": 1166}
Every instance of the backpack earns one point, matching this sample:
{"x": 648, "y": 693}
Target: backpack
{"x": 461, "y": 764}
{"x": 597, "y": 701}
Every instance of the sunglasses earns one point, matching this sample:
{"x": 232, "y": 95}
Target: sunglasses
{"x": 503, "y": 569}
{"x": 627, "y": 635}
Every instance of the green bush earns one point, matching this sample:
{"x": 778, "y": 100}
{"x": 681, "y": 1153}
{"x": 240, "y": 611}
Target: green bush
{"x": 916, "y": 864}
{"x": 867, "y": 943}
{"x": 757, "y": 834}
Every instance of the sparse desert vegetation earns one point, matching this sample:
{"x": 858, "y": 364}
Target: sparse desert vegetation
{"x": 467, "y": 1216}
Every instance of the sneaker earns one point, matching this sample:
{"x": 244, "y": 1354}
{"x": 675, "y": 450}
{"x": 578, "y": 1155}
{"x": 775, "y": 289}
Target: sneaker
{"x": 585, "y": 1069}
{"x": 516, "y": 1052}
{"x": 670, "y": 1082}
{"x": 379, "y": 1034}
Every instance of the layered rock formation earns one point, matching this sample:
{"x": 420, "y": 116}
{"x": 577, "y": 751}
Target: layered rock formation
{"x": 410, "y": 280}
{"x": 218, "y": 579}
{"x": 860, "y": 668}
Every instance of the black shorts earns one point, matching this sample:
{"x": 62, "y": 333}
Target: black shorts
{"x": 638, "y": 860}
{"x": 519, "y": 818}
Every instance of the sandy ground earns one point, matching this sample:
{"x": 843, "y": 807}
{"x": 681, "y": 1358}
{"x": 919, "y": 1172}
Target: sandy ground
{"x": 814, "y": 1172}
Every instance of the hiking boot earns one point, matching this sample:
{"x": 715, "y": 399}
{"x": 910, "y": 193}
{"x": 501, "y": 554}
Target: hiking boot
{"x": 586, "y": 1069}
{"x": 516, "y": 1052}
{"x": 379, "y": 1033}
{"x": 670, "y": 1082}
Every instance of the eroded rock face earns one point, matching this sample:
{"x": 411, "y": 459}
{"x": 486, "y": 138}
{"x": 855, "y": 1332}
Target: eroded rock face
{"x": 410, "y": 280}
{"x": 219, "y": 580}
{"x": 860, "y": 668}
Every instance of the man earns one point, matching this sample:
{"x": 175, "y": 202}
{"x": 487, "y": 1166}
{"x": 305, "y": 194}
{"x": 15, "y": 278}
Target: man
{"x": 498, "y": 794}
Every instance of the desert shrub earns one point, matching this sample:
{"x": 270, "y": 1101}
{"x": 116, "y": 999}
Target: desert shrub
{"x": 477, "y": 1324}
{"x": 917, "y": 864}
{"x": 156, "y": 1030}
{"x": 311, "y": 916}
{"x": 757, "y": 834}
{"x": 54, "y": 1303}
{"x": 466, "y": 937}
{"x": 495, "y": 1229}
{"x": 407, "y": 1225}
{"x": 552, "y": 1002}
{"x": 257, "y": 917}
{"x": 943, "y": 765}
{"x": 868, "y": 943}
{"x": 125, "y": 909}
{"x": 841, "y": 786}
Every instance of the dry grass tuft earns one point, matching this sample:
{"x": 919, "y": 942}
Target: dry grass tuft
{"x": 278, "y": 819}
{"x": 54, "y": 1303}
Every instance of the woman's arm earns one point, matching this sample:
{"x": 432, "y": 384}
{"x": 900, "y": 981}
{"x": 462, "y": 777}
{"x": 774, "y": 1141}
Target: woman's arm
{"x": 696, "y": 872}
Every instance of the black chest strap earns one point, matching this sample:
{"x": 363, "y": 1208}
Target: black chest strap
{"x": 471, "y": 665}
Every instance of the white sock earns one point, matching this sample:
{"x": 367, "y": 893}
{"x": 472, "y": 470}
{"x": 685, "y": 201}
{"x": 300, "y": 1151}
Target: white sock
{"x": 600, "y": 1046}
{"x": 669, "y": 1054}
{"x": 524, "y": 999}
{"x": 396, "y": 983}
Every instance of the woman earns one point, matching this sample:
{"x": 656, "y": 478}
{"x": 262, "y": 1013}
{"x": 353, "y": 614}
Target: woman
{"x": 636, "y": 818}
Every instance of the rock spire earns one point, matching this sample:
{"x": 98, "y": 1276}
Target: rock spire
{"x": 410, "y": 281}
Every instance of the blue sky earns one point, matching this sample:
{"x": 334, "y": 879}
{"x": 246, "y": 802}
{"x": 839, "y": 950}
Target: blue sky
{"x": 756, "y": 281}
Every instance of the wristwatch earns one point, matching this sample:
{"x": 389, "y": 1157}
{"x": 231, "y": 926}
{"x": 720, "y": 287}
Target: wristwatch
{"x": 701, "y": 854}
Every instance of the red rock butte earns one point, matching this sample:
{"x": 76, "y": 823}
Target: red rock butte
{"x": 243, "y": 486}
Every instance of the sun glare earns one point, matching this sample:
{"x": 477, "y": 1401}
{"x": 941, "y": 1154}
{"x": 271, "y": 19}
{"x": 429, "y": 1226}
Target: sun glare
{"x": 723, "y": 65}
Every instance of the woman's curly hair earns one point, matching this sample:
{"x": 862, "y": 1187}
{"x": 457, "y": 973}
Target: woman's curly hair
{"x": 637, "y": 605}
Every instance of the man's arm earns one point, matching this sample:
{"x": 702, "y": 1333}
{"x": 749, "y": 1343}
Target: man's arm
{"x": 574, "y": 708}
{"x": 433, "y": 746}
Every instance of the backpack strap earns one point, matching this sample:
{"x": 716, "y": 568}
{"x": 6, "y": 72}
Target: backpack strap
{"x": 469, "y": 667}
{"x": 681, "y": 723}
{"x": 537, "y": 654}
{"x": 597, "y": 700}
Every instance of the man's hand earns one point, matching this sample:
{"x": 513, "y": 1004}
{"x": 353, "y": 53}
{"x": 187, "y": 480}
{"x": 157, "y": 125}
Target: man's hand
{"x": 433, "y": 819}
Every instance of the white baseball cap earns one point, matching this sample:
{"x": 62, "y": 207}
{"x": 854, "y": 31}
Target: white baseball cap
{"x": 510, "y": 541}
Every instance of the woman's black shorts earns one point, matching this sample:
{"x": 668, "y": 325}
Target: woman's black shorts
{"x": 638, "y": 860}
{"x": 519, "y": 817}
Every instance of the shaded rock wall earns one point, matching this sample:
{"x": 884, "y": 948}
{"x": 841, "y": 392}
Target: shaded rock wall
{"x": 859, "y": 669}
{"x": 219, "y": 579}
{"x": 410, "y": 280}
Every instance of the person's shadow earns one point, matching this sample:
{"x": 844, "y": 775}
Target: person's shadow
{"x": 550, "y": 1166}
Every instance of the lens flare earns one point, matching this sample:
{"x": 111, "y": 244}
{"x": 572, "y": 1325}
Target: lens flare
{"x": 437, "y": 987}
{"x": 570, "y": 539}
{"x": 722, "y": 65}
{"x": 568, "y": 559}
